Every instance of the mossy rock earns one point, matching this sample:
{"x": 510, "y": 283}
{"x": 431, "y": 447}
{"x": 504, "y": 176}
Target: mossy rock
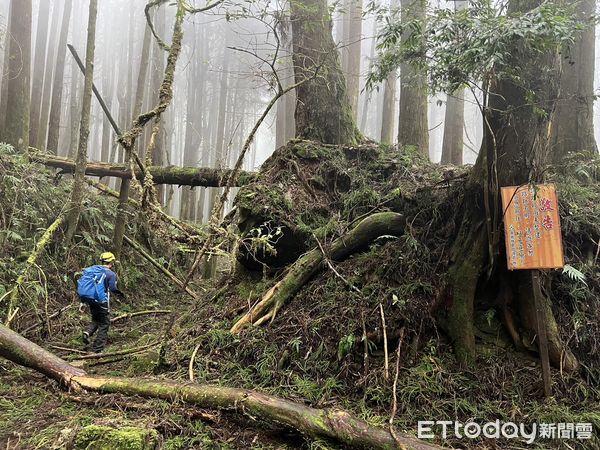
{"x": 98, "y": 437}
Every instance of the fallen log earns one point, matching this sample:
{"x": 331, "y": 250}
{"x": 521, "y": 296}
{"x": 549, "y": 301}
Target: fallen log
{"x": 182, "y": 176}
{"x": 370, "y": 228}
{"x": 337, "y": 425}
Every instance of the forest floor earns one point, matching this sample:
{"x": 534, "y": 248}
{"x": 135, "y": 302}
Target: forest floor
{"x": 313, "y": 351}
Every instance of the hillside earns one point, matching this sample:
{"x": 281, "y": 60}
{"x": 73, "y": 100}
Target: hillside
{"x": 313, "y": 350}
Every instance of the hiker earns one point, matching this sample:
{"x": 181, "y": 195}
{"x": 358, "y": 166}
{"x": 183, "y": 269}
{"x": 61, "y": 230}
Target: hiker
{"x": 94, "y": 288}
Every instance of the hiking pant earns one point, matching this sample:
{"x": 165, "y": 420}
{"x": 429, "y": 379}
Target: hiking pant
{"x": 100, "y": 323}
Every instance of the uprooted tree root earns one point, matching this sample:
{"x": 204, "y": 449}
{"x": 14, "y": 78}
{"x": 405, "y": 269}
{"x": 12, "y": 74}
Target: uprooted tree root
{"x": 370, "y": 228}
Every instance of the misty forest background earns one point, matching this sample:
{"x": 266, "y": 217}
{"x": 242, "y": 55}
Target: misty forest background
{"x": 219, "y": 91}
{"x": 354, "y": 256}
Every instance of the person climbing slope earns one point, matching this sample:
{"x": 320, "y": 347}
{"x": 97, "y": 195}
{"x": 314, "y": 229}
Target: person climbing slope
{"x": 94, "y": 288}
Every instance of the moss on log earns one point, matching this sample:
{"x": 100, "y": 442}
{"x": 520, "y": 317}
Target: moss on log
{"x": 182, "y": 176}
{"x": 370, "y": 228}
{"x": 337, "y": 425}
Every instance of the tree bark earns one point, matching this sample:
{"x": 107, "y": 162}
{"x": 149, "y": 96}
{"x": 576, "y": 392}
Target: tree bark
{"x": 5, "y": 71}
{"x": 84, "y": 127}
{"x": 323, "y": 110}
{"x": 388, "y": 116}
{"x": 39, "y": 68}
{"x": 354, "y": 53}
{"x": 181, "y": 176}
{"x": 48, "y": 78}
{"x": 334, "y": 424}
{"x": 57, "y": 89}
{"x": 413, "y": 124}
{"x": 454, "y": 122}
{"x": 379, "y": 224}
{"x": 16, "y": 129}
{"x": 122, "y": 208}
{"x": 514, "y": 152}
{"x": 574, "y": 130}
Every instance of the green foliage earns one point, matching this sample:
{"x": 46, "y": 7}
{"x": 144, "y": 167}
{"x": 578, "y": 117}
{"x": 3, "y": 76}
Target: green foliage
{"x": 574, "y": 274}
{"x": 466, "y": 46}
{"x": 345, "y": 346}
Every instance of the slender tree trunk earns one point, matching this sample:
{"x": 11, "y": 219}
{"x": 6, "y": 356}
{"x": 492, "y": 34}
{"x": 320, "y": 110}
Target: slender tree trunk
{"x": 454, "y": 122}
{"x": 158, "y": 65}
{"x": 574, "y": 130}
{"x": 141, "y": 82}
{"x": 57, "y": 89}
{"x": 48, "y": 77}
{"x": 284, "y": 127}
{"x": 413, "y": 124}
{"x": 38, "y": 70}
{"x": 16, "y": 130}
{"x": 368, "y": 97}
{"x": 323, "y": 110}
{"x": 354, "y": 53}
{"x": 84, "y": 128}
{"x": 122, "y": 208}
{"x": 388, "y": 113}
{"x": 5, "y": 75}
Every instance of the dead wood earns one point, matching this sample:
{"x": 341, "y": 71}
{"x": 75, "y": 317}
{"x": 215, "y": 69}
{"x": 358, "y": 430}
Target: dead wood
{"x": 181, "y": 176}
{"x": 160, "y": 267}
{"x": 329, "y": 423}
{"x": 139, "y": 313}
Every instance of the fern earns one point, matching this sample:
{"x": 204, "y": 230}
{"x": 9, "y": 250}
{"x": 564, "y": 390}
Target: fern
{"x": 574, "y": 274}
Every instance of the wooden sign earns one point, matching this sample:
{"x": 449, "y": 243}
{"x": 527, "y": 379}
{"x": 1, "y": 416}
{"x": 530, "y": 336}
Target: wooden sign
{"x": 532, "y": 227}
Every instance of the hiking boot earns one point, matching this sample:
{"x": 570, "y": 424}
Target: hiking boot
{"x": 86, "y": 338}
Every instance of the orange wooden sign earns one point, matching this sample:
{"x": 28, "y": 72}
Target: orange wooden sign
{"x": 532, "y": 227}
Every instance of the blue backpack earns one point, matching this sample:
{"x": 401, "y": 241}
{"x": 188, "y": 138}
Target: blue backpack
{"x": 91, "y": 284}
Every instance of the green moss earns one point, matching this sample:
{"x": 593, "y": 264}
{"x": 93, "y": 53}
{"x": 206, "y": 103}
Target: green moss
{"x": 97, "y": 437}
{"x": 143, "y": 363}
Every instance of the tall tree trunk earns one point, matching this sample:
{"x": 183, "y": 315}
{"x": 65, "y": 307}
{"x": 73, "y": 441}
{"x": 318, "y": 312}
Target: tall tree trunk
{"x": 141, "y": 82}
{"x": 413, "y": 123}
{"x": 57, "y": 89}
{"x": 354, "y": 53}
{"x": 454, "y": 122}
{"x": 284, "y": 126}
{"x": 158, "y": 70}
{"x": 388, "y": 116}
{"x": 84, "y": 127}
{"x": 75, "y": 97}
{"x": 38, "y": 70}
{"x": 574, "y": 130}
{"x": 48, "y": 77}
{"x": 514, "y": 152}
{"x": 210, "y": 266}
{"x": 16, "y": 130}
{"x": 122, "y": 208}
{"x": 323, "y": 110}
{"x": 368, "y": 97}
{"x": 5, "y": 78}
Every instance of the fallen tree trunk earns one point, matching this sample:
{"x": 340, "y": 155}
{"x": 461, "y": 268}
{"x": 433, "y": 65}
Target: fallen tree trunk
{"x": 333, "y": 424}
{"x": 182, "y": 176}
{"x": 370, "y": 228}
